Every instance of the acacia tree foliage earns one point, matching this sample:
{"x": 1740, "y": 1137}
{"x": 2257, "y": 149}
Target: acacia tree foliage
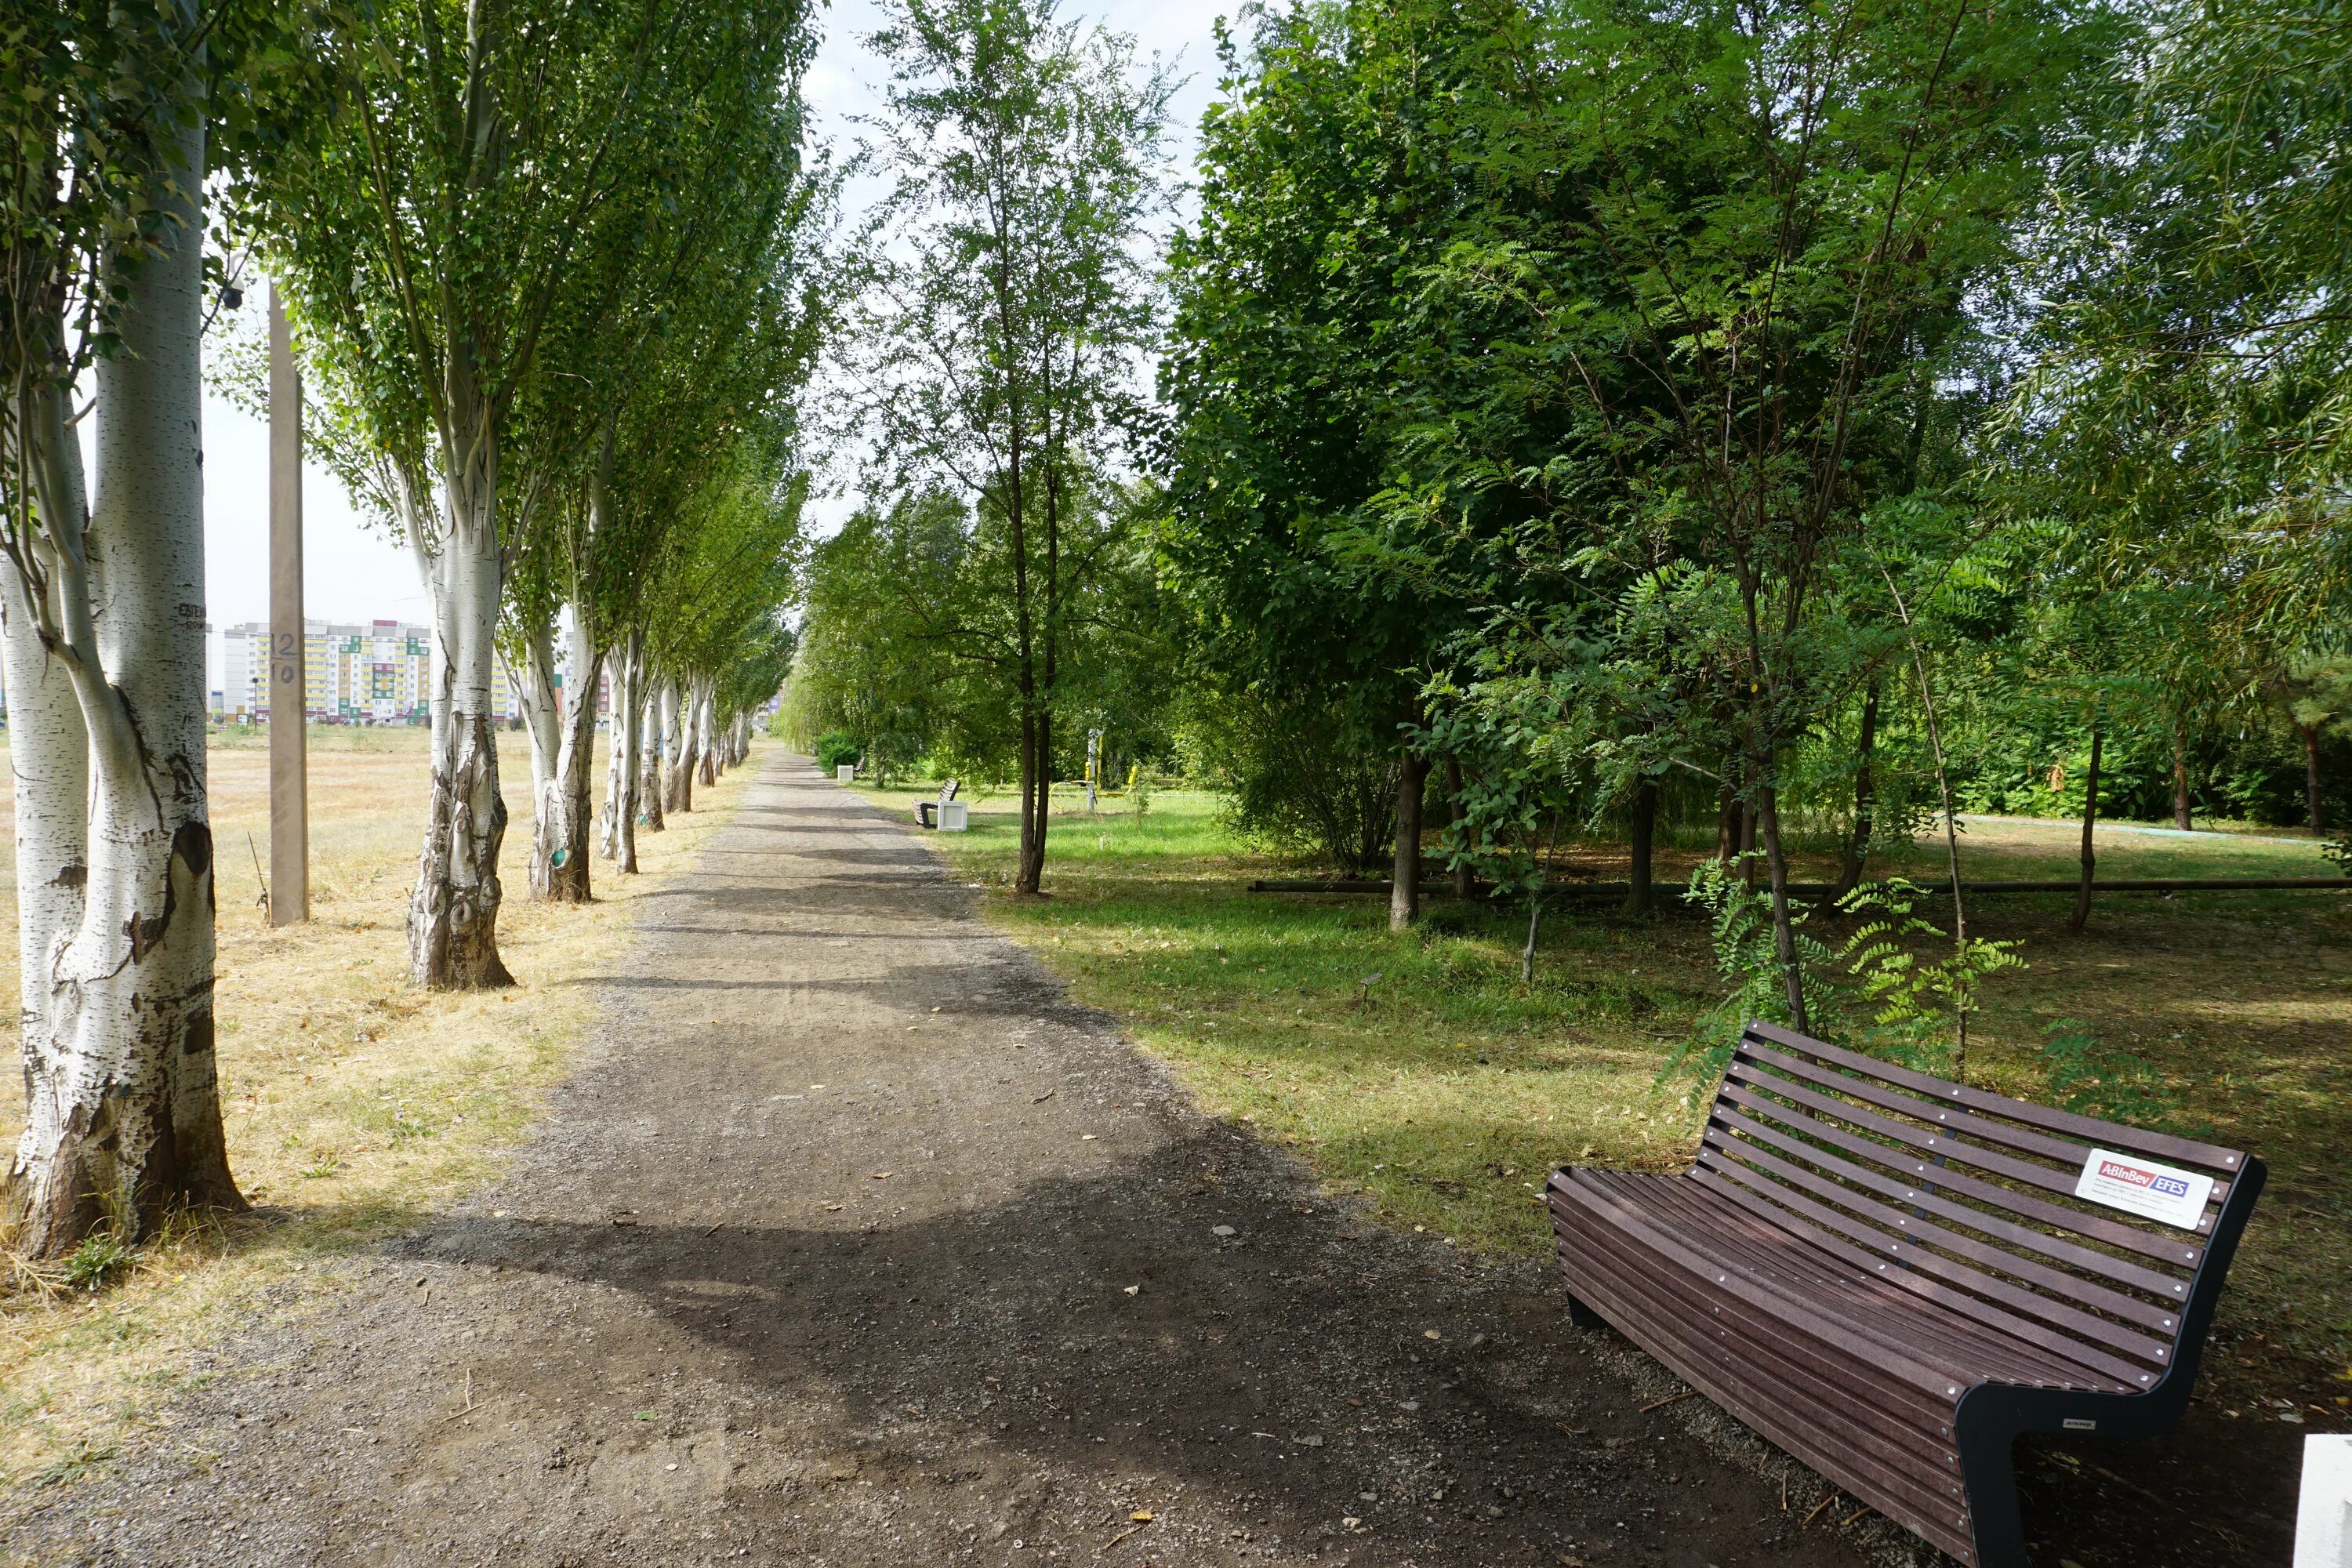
{"x": 1323, "y": 190}
{"x": 115, "y": 116}
{"x": 2186, "y": 395}
{"x": 2191, "y": 374}
{"x": 1740, "y": 238}
{"x": 1007, "y": 310}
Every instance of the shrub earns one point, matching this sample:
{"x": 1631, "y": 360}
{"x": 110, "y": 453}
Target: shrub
{"x": 1308, "y": 773}
{"x": 835, "y": 748}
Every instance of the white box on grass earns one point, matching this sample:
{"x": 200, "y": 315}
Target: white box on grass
{"x": 846, "y": 772}
{"x": 955, "y": 817}
{"x": 2323, "y": 1520}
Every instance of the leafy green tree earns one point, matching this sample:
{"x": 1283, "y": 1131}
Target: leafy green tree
{"x": 868, "y": 665}
{"x": 696, "y": 348}
{"x": 1738, "y": 242}
{"x": 1323, "y": 187}
{"x": 2316, "y": 692}
{"x": 910, "y": 645}
{"x": 1009, "y": 309}
{"x": 2189, "y": 363}
{"x": 456, "y": 205}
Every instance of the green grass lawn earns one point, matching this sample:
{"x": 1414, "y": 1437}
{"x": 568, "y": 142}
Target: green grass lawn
{"x": 1443, "y": 1091}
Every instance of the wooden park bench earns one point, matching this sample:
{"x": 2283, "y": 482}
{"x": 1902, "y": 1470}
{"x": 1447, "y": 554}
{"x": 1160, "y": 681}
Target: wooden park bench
{"x": 1892, "y": 1277}
{"x": 927, "y": 812}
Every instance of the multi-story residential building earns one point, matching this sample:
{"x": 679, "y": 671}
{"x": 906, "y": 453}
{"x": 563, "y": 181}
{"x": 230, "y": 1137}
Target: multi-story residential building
{"x": 379, "y": 673}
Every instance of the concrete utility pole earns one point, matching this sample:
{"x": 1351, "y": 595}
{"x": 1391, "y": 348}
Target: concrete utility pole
{"x": 289, "y": 804}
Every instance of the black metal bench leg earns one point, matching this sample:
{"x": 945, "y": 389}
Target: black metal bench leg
{"x": 1988, "y": 1472}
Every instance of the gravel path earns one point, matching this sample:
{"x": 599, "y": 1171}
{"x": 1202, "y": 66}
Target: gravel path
{"x": 850, "y": 1242}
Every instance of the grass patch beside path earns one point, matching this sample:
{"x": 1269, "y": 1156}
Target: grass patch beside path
{"x": 355, "y": 1104}
{"x": 1445, "y": 1090}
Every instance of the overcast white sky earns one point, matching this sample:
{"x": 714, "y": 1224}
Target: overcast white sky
{"x": 350, "y": 573}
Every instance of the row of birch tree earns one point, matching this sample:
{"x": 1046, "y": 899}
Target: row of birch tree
{"x": 552, "y": 272}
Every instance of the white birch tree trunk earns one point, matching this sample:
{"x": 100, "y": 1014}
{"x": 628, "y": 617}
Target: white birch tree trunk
{"x": 617, "y": 756}
{"x": 655, "y": 736}
{"x": 562, "y": 740}
{"x": 625, "y": 664}
{"x": 682, "y": 757}
{"x": 50, "y": 749}
{"x": 559, "y": 840}
{"x": 453, "y": 914}
{"x": 706, "y": 727}
{"x": 659, "y": 753}
{"x": 542, "y": 723}
{"x": 730, "y": 742}
{"x": 123, "y": 1117}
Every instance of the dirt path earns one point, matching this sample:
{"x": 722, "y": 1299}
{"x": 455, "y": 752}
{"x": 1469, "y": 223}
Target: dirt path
{"x": 850, "y": 1243}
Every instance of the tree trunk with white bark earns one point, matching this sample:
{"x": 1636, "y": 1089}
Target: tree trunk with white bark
{"x": 705, "y": 730}
{"x": 563, "y": 741}
{"x": 626, "y": 663}
{"x": 660, "y": 698}
{"x": 49, "y": 747}
{"x": 677, "y": 723}
{"x": 114, "y": 859}
{"x": 452, "y": 913}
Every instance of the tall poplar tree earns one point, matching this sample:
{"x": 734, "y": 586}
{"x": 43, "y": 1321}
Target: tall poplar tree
{"x": 109, "y": 141}
{"x": 438, "y": 228}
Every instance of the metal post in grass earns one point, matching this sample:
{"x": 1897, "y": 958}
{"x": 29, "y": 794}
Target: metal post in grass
{"x": 289, "y": 808}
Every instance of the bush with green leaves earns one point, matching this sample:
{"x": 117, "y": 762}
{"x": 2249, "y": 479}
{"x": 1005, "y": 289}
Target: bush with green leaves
{"x": 2114, "y": 1085}
{"x": 1306, "y": 774}
{"x": 835, "y": 747}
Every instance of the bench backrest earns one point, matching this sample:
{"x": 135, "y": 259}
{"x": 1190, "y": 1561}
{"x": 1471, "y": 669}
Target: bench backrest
{"x": 1969, "y": 1198}
{"x": 948, "y": 790}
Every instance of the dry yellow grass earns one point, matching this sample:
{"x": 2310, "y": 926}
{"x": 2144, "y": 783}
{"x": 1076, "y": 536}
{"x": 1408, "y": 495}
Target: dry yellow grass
{"x": 354, "y": 1103}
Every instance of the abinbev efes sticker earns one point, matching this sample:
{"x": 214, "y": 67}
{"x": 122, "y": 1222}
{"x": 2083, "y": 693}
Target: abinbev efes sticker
{"x": 2140, "y": 1185}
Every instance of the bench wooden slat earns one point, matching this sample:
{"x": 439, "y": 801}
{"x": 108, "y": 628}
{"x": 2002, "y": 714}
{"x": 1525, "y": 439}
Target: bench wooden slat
{"x": 1905, "y": 1380}
{"x": 1953, "y": 1123}
{"x": 2160, "y": 1317}
{"x": 2172, "y": 1248}
{"x": 1952, "y": 1148}
{"x": 1978, "y": 1339}
{"x": 1923, "y": 1195}
{"x": 1918, "y": 1252}
{"x": 2113, "y": 1373}
{"x": 2131, "y": 1140}
{"x": 1892, "y": 1470}
{"x": 2085, "y": 1331}
{"x": 1959, "y": 1120}
{"x": 1847, "y": 1291}
{"x": 1899, "y": 1363}
{"x": 1900, "y": 1414}
{"x": 1808, "y": 1404}
{"x": 1892, "y": 1278}
{"x": 1945, "y": 1137}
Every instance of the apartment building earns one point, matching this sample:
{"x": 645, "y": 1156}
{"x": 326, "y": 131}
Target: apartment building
{"x": 379, "y": 673}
